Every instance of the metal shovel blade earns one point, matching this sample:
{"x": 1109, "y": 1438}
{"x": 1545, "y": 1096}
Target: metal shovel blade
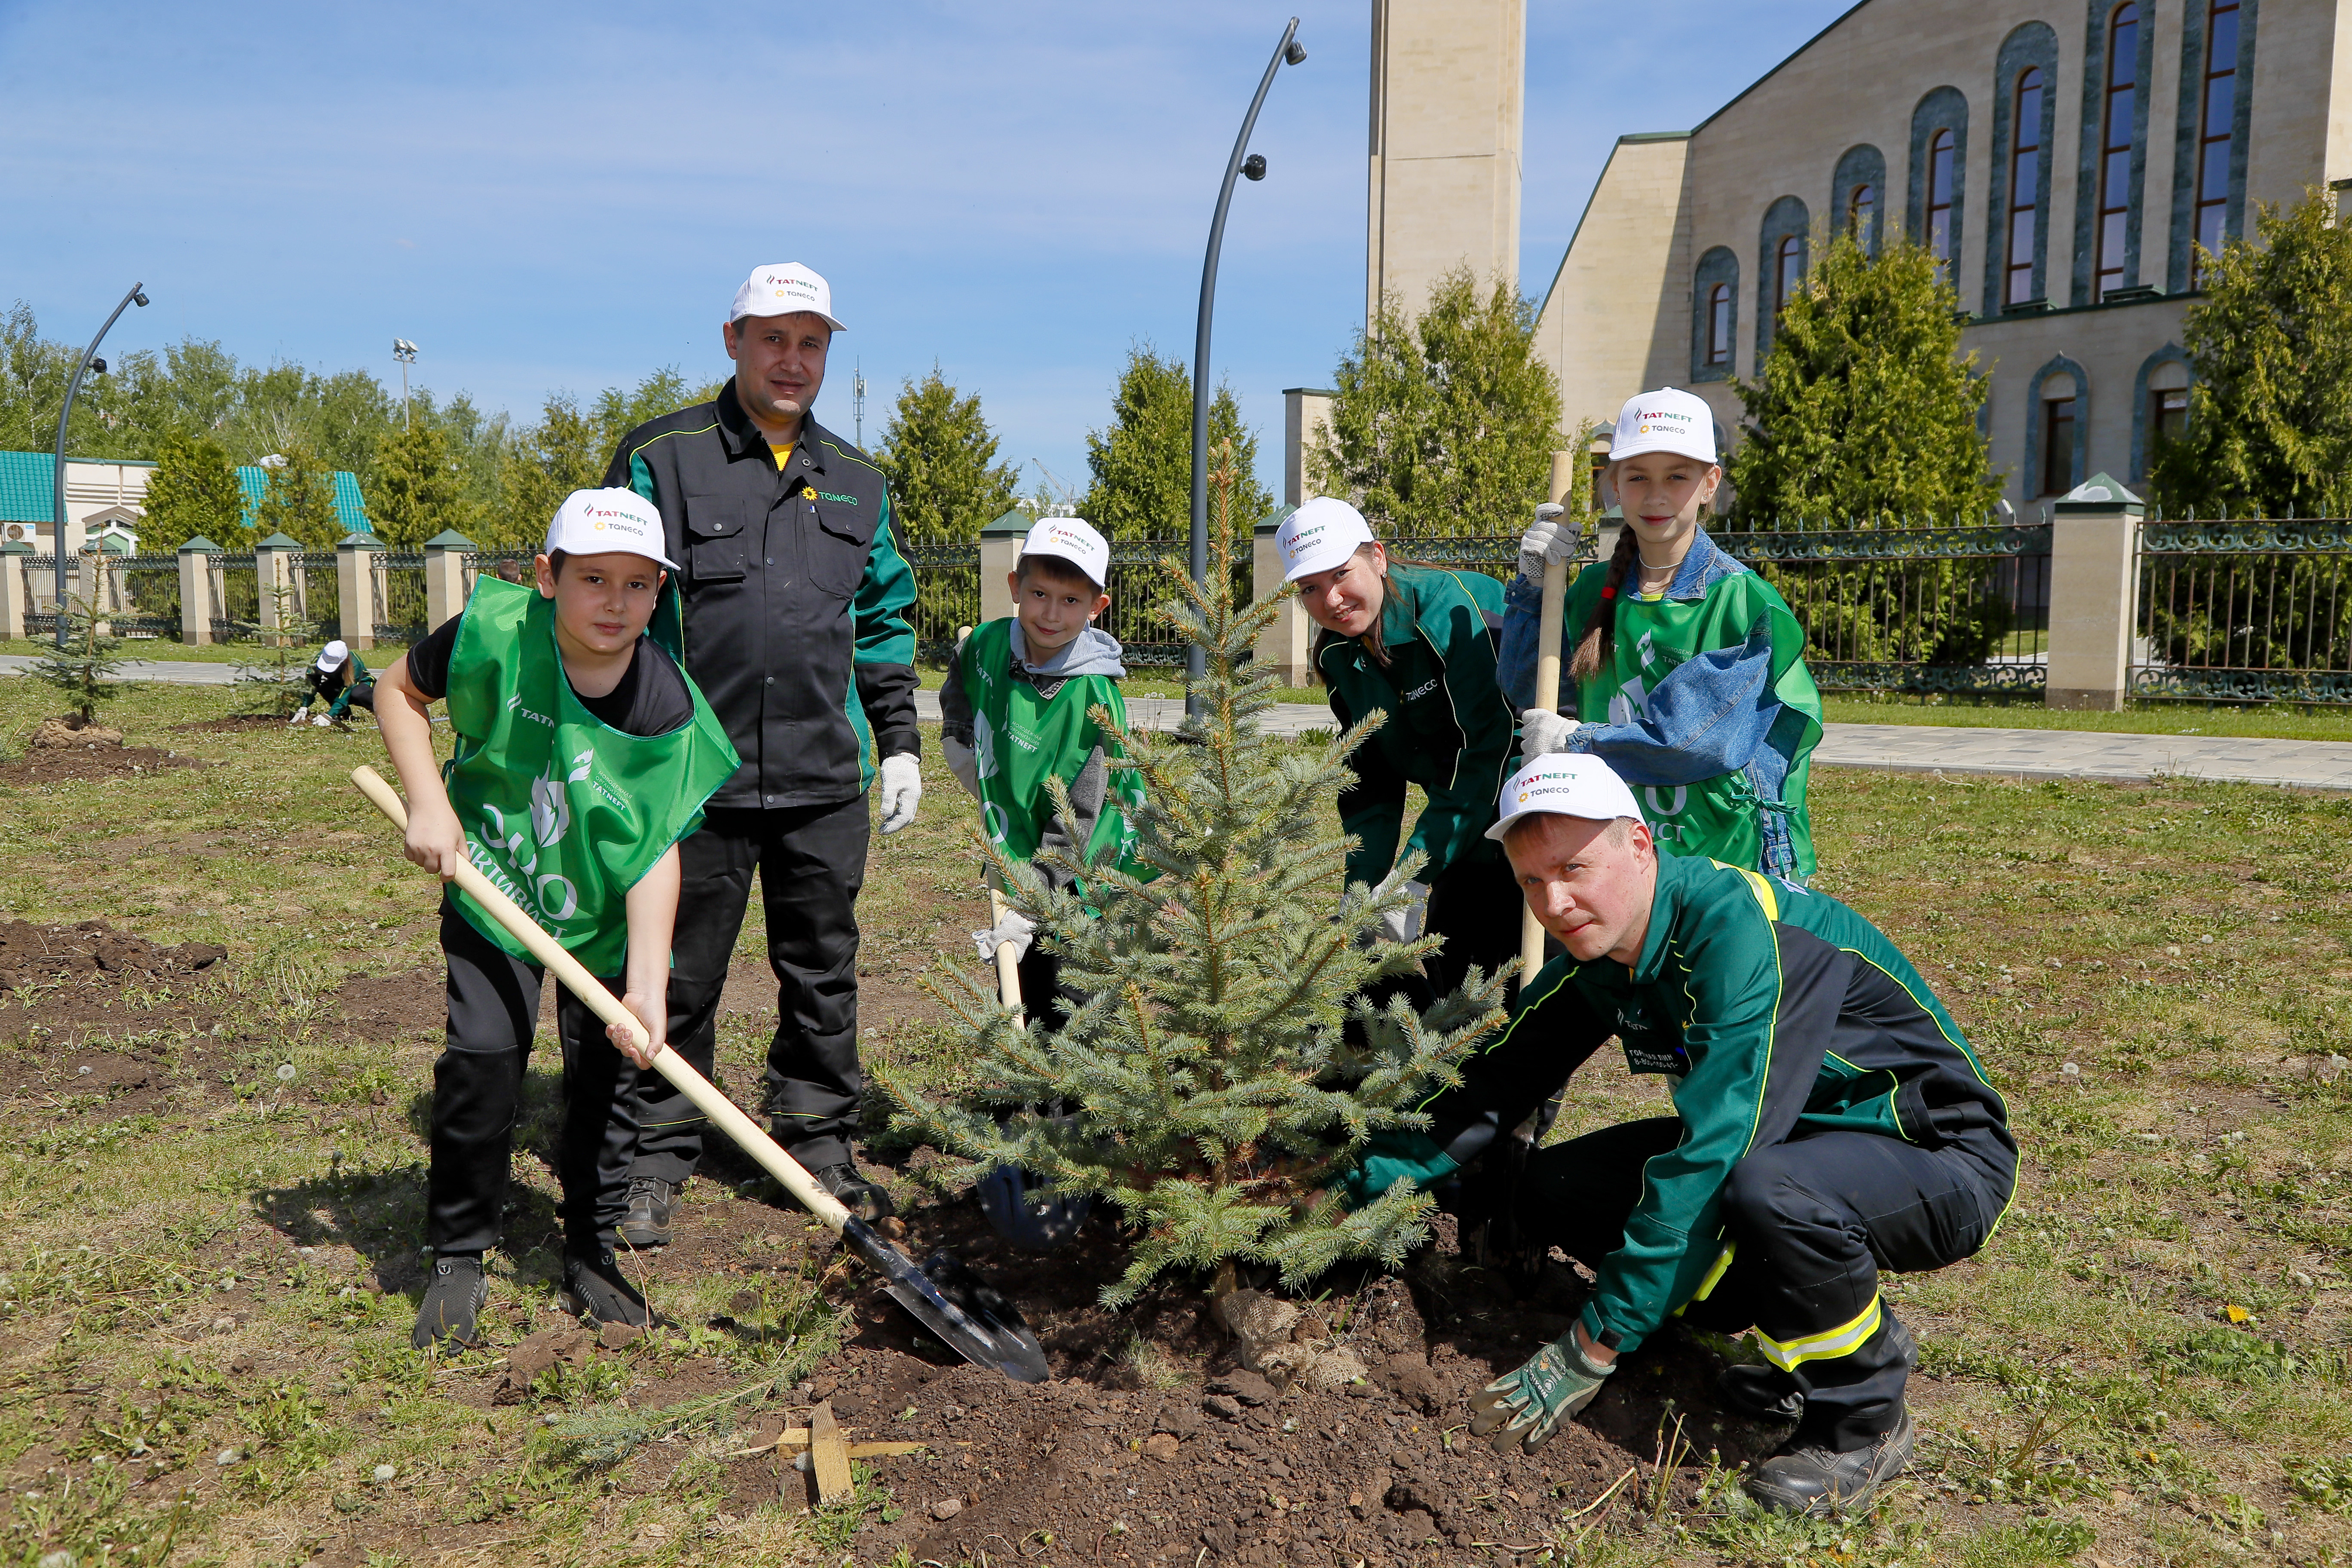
{"x": 956, "y": 1305}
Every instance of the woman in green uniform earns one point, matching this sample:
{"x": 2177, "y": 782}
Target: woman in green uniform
{"x": 1689, "y": 669}
{"x": 1417, "y": 643}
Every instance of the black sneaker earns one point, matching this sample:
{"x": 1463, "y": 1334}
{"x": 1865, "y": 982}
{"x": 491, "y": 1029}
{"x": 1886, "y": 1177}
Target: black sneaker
{"x": 1818, "y": 1484}
{"x": 861, "y": 1197}
{"x": 595, "y": 1289}
{"x": 455, "y": 1295}
{"x": 651, "y": 1202}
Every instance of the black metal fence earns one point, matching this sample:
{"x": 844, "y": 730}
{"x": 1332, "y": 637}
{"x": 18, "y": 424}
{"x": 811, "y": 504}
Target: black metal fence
{"x": 1912, "y": 609}
{"x": 2245, "y": 612}
{"x": 401, "y": 580}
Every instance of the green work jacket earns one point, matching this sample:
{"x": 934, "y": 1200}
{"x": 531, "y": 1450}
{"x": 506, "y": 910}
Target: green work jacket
{"x": 1449, "y": 729}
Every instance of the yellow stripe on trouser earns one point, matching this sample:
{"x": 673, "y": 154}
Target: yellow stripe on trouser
{"x": 1844, "y": 1340}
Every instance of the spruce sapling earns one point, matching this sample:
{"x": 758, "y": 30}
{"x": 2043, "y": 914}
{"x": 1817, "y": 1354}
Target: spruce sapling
{"x": 1213, "y": 1096}
{"x": 83, "y": 667}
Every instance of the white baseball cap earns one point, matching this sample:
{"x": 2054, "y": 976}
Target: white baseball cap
{"x": 598, "y": 522}
{"x": 1321, "y": 534}
{"x": 1074, "y": 540}
{"x": 785, "y": 289}
{"x": 1666, "y": 420}
{"x": 332, "y": 657}
{"x": 1565, "y": 784}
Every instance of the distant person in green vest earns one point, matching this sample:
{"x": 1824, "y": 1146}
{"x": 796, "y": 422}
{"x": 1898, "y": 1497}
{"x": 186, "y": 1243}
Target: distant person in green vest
{"x": 1017, "y": 710}
{"x": 584, "y": 755}
{"x": 1689, "y": 669}
{"x": 338, "y": 678}
{"x": 1417, "y": 643}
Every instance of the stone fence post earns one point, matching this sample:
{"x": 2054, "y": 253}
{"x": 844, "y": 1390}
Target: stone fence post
{"x": 358, "y": 594}
{"x": 14, "y": 601}
{"x": 2094, "y": 596}
{"x": 444, "y": 575}
{"x": 1284, "y": 645}
{"x": 197, "y": 605}
{"x": 999, "y": 552}
{"x": 274, "y": 563}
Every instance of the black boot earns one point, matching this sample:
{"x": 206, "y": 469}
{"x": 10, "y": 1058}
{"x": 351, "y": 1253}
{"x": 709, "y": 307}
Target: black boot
{"x": 595, "y": 1289}
{"x": 455, "y": 1295}
{"x": 652, "y": 1201}
{"x": 860, "y": 1197}
{"x": 1820, "y": 1484}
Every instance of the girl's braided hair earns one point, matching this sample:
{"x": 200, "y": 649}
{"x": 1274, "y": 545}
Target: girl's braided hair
{"x": 1598, "y": 644}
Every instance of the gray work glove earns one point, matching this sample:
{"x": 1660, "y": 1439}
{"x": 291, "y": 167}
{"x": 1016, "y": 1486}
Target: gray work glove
{"x": 902, "y": 790}
{"x": 1541, "y": 731}
{"x": 1405, "y": 924}
{"x": 1527, "y": 1406}
{"x": 1015, "y": 930}
{"x": 1546, "y": 539}
{"x": 962, "y": 763}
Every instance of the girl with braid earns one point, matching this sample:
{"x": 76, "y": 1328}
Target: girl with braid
{"x": 1689, "y": 669}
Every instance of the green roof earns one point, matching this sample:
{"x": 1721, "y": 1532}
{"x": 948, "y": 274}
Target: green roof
{"x": 26, "y": 481}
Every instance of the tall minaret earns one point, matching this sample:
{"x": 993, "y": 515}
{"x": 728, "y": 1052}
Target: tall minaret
{"x": 1448, "y": 87}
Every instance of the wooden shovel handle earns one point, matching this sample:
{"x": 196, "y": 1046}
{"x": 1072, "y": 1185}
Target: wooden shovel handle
{"x": 1554, "y": 609}
{"x": 1008, "y": 967}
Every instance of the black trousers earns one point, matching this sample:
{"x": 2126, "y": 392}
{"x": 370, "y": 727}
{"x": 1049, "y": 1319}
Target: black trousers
{"x": 477, "y": 1093}
{"x": 1475, "y": 905}
{"x": 1810, "y": 1222}
{"x": 811, "y": 861}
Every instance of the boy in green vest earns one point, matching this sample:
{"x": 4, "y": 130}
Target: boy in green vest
{"x": 584, "y": 755}
{"x": 1016, "y": 709}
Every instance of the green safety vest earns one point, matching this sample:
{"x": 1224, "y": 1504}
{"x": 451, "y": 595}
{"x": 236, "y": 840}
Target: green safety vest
{"x": 1021, "y": 738}
{"x": 562, "y": 812}
{"x": 1716, "y": 817}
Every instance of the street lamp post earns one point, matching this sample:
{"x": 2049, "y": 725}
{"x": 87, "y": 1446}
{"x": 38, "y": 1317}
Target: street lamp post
{"x": 1243, "y": 162}
{"x": 405, "y": 352}
{"x": 58, "y": 474}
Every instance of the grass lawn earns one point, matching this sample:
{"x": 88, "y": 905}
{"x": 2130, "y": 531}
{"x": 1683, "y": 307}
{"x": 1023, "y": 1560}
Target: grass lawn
{"x": 205, "y": 1302}
{"x": 2285, "y": 722}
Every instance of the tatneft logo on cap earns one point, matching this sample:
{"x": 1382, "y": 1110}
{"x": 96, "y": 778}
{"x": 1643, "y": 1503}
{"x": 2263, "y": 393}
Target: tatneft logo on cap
{"x": 787, "y": 290}
{"x": 592, "y": 522}
{"x": 1666, "y": 420}
{"x": 1321, "y": 534}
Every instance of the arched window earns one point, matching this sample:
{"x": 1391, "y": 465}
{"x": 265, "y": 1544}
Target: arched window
{"x": 1861, "y": 214}
{"x": 1714, "y": 315}
{"x": 2219, "y": 115}
{"x": 2058, "y": 402}
{"x": 1788, "y": 268}
{"x": 2118, "y": 119}
{"x": 1718, "y": 324}
{"x": 2024, "y": 187}
{"x": 1940, "y": 196}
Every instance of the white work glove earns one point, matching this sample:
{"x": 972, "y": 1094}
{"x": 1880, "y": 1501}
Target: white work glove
{"x": 1546, "y": 539}
{"x": 296, "y": 722}
{"x": 902, "y": 790}
{"x": 961, "y": 763}
{"x": 1013, "y": 931}
{"x": 323, "y": 723}
{"x": 1542, "y": 731}
{"x": 1404, "y": 924}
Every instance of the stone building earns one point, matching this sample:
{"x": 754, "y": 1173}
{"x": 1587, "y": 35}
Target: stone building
{"x": 2064, "y": 160}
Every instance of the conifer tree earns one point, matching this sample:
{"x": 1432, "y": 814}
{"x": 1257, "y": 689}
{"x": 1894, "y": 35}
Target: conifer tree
{"x": 937, "y": 455}
{"x": 1444, "y": 423}
{"x": 1865, "y": 411}
{"x": 1214, "y": 1098}
{"x": 1142, "y": 462}
{"x": 2270, "y": 415}
{"x": 300, "y": 502}
{"x": 83, "y": 666}
{"x": 419, "y": 490}
{"x": 194, "y": 492}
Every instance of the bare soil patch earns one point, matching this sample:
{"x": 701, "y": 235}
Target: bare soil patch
{"x": 61, "y": 750}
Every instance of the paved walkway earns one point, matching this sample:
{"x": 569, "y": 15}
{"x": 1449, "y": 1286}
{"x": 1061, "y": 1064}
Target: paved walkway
{"x": 1900, "y": 748}
{"x": 1930, "y": 748}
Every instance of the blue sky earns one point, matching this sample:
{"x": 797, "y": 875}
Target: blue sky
{"x": 564, "y": 198}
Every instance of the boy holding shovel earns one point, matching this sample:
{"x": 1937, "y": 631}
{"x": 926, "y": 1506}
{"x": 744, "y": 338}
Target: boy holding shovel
{"x": 584, "y": 755}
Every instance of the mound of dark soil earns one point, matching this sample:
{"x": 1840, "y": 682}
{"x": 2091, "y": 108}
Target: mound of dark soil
{"x": 1152, "y": 1445}
{"x": 62, "y": 751}
{"x": 93, "y": 953}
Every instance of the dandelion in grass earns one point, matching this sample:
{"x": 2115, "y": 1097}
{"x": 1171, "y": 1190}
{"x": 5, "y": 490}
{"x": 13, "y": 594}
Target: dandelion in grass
{"x": 286, "y": 1072}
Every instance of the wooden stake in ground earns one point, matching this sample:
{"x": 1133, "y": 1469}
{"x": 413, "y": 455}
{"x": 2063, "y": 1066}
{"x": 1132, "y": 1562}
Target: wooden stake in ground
{"x": 829, "y": 1457}
{"x": 1555, "y": 607}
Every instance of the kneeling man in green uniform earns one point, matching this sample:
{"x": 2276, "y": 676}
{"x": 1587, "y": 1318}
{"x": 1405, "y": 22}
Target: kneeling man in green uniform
{"x": 1830, "y": 1122}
